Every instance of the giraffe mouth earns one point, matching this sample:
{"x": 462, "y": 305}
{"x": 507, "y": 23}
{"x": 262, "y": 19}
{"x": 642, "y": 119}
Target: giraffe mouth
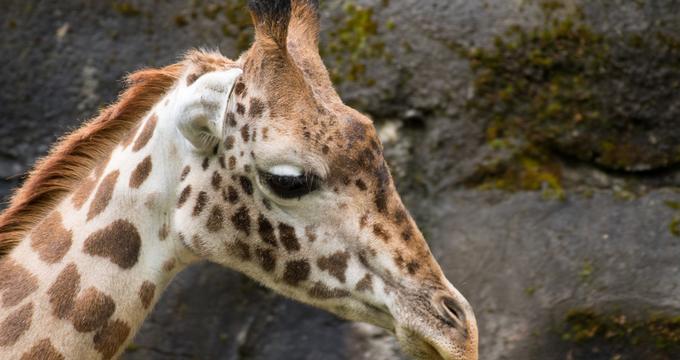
{"x": 385, "y": 317}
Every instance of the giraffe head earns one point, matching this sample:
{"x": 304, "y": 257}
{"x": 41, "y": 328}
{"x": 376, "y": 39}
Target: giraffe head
{"x": 291, "y": 188}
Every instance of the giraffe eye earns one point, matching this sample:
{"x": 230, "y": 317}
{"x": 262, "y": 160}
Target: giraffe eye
{"x": 288, "y": 182}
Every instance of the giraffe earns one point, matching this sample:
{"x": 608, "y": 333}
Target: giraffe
{"x": 255, "y": 164}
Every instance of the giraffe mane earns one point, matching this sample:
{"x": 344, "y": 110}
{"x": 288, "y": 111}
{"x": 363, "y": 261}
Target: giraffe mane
{"x": 78, "y": 153}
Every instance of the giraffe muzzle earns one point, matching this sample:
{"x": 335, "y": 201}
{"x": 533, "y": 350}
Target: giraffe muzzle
{"x": 441, "y": 327}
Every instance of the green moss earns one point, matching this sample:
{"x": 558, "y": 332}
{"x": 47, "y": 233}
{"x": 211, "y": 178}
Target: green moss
{"x": 126, "y": 8}
{"x": 543, "y": 84}
{"x": 675, "y": 205}
{"x": 132, "y": 347}
{"x": 674, "y": 227}
{"x": 654, "y": 337}
{"x": 586, "y": 271}
{"x": 529, "y": 168}
{"x": 352, "y": 41}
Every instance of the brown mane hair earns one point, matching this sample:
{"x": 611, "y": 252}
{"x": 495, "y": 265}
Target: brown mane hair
{"x": 76, "y": 154}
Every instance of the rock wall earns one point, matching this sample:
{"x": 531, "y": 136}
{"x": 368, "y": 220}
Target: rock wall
{"x": 535, "y": 142}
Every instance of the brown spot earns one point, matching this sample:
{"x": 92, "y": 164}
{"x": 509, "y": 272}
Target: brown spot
{"x": 240, "y": 249}
{"x": 267, "y": 204}
{"x": 380, "y": 232}
{"x": 231, "y": 119}
{"x": 146, "y": 293}
{"x": 266, "y": 231}
{"x": 184, "y": 196}
{"x": 63, "y": 291}
{"x": 103, "y": 195}
{"x": 241, "y": 220}
{"x": 119, "y": 242}
{"x": 50, "y": 239}
{"x": 216, "y": 219}
{"x": 191, "y": 78}
{"x": 266, "y": 259}
{"x": 246, "y": 185}
{"x": 42, "y": 350}
{"x": 164, "y": 232}
{"x": 325, "y": 149}
{"x": 406, "y": 235}
{"x": 206, "y": 163}
{"x": 321, "y": 291}
{"x": 335, "y": 264}
{"x": 256, "y": 108}
{"x": 245, "y": 133}
{"x": 169, "y": 265}
{"x": 83, "y": 192}
{"x": 222, "y": 161}
{"x": 239, "y": 88}
{"x": 365, "y": 284}
{"x": 246, "y": 168}
{"x": 296, "y": 271}
{"x": 16, "y": 282}
{"x": 288, "y": 238}
{"x": 201, "y": 201}
{"x": 360, "y": 184}
{"x": 412, "y": 267}
{"x": 230, "y": 194}
{"x": 229, "y": 142}
{"x": 265, "y": 133}
{"x": 146, "y": 134}
{"x": 240, "y": 109}
{"x": 309, "y": 233}
{"x": 110, "y": 338}
{"x": 15, "y": 325}
{"x": 363, "y": 221}
{"x": 400, "y": 215}
{"x": 141, "y": 173}
{"x": 216, "y": 180}
{"x": 99, "y": 169}
{"x": 131, "y": 135}
{"x": 91, "y": 310}
{"x": 185, "y": 173}
{"x": 383, "y": 176}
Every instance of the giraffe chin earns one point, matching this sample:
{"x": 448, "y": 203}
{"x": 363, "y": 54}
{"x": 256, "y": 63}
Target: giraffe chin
{"x": 422, "y": 347}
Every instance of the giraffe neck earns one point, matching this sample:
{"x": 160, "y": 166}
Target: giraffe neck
{"x": 81, "y": 283}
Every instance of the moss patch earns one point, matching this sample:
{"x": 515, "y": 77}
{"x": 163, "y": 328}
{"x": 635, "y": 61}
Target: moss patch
{"x": 674, "y": 225}
{"x": 527, "y": 168}
{"x": 352, "y": 41}
{"x": 562, "y": 85}
{"x": 126, "y": 8}
{"x": 654, "y": 337}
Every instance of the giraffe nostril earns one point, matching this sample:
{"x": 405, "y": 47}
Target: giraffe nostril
{"x": 451, "y": 311}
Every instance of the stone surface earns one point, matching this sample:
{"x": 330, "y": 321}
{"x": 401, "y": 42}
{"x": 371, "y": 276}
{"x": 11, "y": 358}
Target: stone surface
{"x": 524, "y": 258}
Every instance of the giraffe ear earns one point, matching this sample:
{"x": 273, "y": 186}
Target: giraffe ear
{"x": 203, "y": 107}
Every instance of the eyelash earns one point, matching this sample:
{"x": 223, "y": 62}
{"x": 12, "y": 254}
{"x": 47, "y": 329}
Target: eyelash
{"x": 289, "y": 187}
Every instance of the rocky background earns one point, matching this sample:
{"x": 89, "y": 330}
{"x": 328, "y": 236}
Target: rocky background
{"x": 536, "y": 142}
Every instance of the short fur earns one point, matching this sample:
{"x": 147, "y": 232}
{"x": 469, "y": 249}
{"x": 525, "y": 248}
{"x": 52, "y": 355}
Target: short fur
{"x": 74, "y": 157}
{"x": 271, "y": 18}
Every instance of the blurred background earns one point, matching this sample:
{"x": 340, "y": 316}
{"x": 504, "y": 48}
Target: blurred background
{"x": 537, "y": 143}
